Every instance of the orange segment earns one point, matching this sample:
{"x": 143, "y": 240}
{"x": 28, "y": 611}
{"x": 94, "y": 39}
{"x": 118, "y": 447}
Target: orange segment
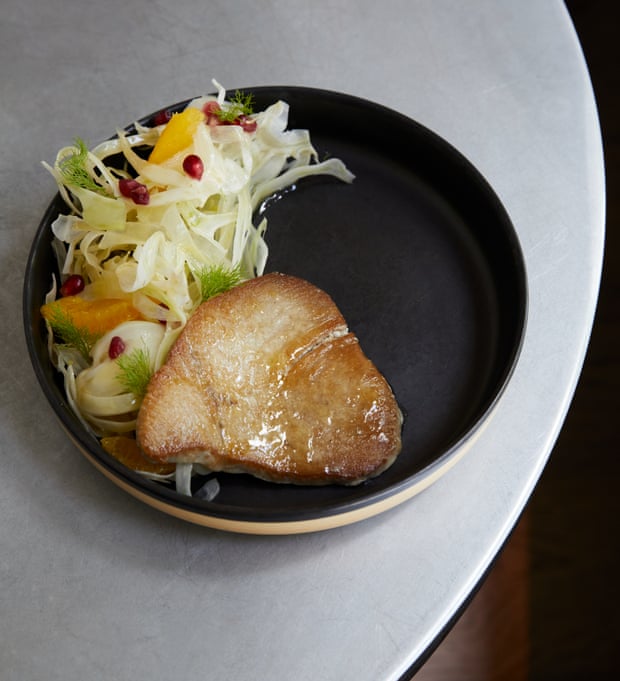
{"x": 177, "y": 135}
{"x": 126, "y": 450}
{"x": 96, "y": 316}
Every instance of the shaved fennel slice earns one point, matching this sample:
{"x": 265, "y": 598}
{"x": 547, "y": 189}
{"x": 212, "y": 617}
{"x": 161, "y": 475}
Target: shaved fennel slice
{"x": 242, "y": 226}
{"x": 256, "y": 251}
{"x": 144, "y": 136}
{"x": 101, "y": 395}
{"x": 209, "y": 490}
{"x": 183, "y": 478}
{"x": 157, "y": 477}
{"x": 332, "y": 166}
{"x": 69, "y": 363}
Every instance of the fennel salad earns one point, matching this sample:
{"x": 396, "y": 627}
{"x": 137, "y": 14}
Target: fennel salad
{"x": 159, "y": 220}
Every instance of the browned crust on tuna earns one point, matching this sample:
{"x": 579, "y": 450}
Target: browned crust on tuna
{"x": 266, "y": 379}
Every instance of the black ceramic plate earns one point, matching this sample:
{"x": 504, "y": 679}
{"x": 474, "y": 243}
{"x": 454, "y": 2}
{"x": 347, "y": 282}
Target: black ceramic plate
{"x": 422, "y": 260}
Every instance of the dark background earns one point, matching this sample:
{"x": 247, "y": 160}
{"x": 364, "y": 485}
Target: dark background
{"x": 573, "y": 515}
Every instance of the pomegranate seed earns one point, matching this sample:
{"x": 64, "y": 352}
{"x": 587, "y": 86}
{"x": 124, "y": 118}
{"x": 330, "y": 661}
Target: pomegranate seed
{"x": 134, "y": 190}
{"x": 193, "y": 166}
{"x": 117, "y": 347}
{"x": 248, "y": 124}
{"x": 211, "y": 108}
{"x": 162, "y": 117}
{"x": 72, "y": 285}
